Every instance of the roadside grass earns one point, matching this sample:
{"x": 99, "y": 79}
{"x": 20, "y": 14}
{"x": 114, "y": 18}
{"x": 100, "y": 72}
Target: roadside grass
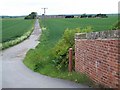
{"x": 14, "y": 31}
{"x": 40, "y": 59}
{"x": 10, "y": 43}
{"x": 72, "y": 76}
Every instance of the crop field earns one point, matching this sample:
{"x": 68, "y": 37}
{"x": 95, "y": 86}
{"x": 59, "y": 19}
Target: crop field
{"x": 56, "y": 27}
{"x": 15, "y": 27}
{"x": 97, "y": 24}
{"x": 40, "y": 59}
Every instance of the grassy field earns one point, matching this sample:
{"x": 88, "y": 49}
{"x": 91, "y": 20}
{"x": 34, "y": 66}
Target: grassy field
{"x": 14, "y": 31}
{"x": 16, "y": 27}
{"x": 97, "y": 24}
{"x": 57, "y": 26}
{"x": 40, "y": 59}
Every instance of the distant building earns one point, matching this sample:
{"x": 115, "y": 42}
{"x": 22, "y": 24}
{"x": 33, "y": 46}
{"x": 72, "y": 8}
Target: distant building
{"x": 53, "y": 16}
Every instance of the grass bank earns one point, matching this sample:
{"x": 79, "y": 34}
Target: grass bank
{"x": 40, "y": 59}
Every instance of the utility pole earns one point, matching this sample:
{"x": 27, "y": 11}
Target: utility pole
{"x": 44, "y": 10}
{"x": 43, "y": 16}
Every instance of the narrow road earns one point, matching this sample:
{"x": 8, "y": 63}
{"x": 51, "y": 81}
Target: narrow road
{"x": 16, "y": 75}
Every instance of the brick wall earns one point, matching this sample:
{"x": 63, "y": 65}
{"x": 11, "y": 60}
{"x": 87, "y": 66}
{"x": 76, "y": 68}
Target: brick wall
{"x": 97, "y": 54}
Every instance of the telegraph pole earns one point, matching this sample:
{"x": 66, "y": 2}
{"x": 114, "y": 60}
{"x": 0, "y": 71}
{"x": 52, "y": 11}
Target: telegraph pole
{"x": 44, "y": 10}
{"x": 43, "y": 16}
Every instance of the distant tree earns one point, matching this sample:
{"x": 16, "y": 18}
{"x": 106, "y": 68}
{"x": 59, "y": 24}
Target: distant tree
{"x": 90, "y": 16}
{"x": 101, "y": 15}
{"x": 3, "y": 17}
{"x": 28, "y": 17}
{"x": 69, "y": 16}
{"x": 33, "y": 15}
{"x": 83, "y": 16}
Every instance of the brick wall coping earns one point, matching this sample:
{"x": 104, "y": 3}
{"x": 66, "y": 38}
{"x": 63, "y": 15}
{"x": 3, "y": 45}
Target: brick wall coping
{"x": 110, "y": 34}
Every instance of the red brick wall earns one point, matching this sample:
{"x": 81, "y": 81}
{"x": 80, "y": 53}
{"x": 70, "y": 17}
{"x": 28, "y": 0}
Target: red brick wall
{"x": 99, "y": 59}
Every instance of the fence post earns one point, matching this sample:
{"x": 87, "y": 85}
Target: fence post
{"x": 70, "y": 60}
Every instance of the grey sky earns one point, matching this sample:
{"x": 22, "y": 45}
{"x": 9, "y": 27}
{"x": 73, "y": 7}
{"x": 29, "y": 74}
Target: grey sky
{"x": 24, "y": 7}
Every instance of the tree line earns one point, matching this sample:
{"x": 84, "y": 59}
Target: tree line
{"x": 88, "y": 16}
{"x": 94, "y": 16}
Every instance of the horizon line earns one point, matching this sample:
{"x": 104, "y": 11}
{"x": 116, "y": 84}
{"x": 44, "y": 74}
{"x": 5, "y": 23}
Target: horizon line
{"x": 62, "y": 14}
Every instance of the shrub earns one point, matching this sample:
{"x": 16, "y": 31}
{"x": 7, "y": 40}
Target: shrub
{"x": 117, "y": 26}
{"x": 60, "y": 51}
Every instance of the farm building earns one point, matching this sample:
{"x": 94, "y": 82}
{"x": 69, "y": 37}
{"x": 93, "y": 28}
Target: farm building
{"x": 57, "y": 16}
{"x": 52, "y": 16}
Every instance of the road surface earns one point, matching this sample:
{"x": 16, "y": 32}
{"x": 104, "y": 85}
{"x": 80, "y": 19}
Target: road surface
{"x": 16, "y": 75}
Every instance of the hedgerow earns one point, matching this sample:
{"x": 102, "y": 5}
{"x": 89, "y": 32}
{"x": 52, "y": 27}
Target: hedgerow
{"x": 60, "y": 51}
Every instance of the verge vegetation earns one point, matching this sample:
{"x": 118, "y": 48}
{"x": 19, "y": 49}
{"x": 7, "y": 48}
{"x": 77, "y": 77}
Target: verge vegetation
{"x": 14, "y": 31}
{"x": 117, "y": 25}
{"x": 51, "y": 56}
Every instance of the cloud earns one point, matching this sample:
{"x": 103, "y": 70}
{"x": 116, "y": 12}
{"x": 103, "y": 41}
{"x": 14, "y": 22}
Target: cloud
{"x": 24, "y": 7}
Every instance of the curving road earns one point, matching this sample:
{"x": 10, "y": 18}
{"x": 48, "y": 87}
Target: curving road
{"x": 16, "y": 75}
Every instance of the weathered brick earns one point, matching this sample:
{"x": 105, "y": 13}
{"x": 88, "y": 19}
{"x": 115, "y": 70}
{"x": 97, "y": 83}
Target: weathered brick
{"x": 99, "y": 59}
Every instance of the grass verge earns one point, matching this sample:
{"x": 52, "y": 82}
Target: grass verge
{"x": 8, "y": 44}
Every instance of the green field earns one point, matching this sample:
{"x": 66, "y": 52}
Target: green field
{"x": 40, "y": 59}
{"x": 56, "y": 27}
{"x": 97, "y": 24}
{"x": 13, "y": 28}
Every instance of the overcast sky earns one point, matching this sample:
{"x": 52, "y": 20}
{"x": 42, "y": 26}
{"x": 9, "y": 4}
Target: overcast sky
{"x": 24, "y": 7}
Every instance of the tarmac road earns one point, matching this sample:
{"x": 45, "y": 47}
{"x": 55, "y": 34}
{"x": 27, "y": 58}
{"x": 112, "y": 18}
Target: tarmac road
{"x": 16, "y": 75}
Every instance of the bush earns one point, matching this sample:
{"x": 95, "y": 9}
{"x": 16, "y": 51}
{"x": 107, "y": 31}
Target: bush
{"x": 117, "y": 26}
{"x": 28, "y": 17}
{"x": 60, "y": 51}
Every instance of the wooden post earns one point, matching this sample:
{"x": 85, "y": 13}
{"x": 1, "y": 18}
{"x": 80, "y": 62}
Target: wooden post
{"x": 70, "y": 60}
